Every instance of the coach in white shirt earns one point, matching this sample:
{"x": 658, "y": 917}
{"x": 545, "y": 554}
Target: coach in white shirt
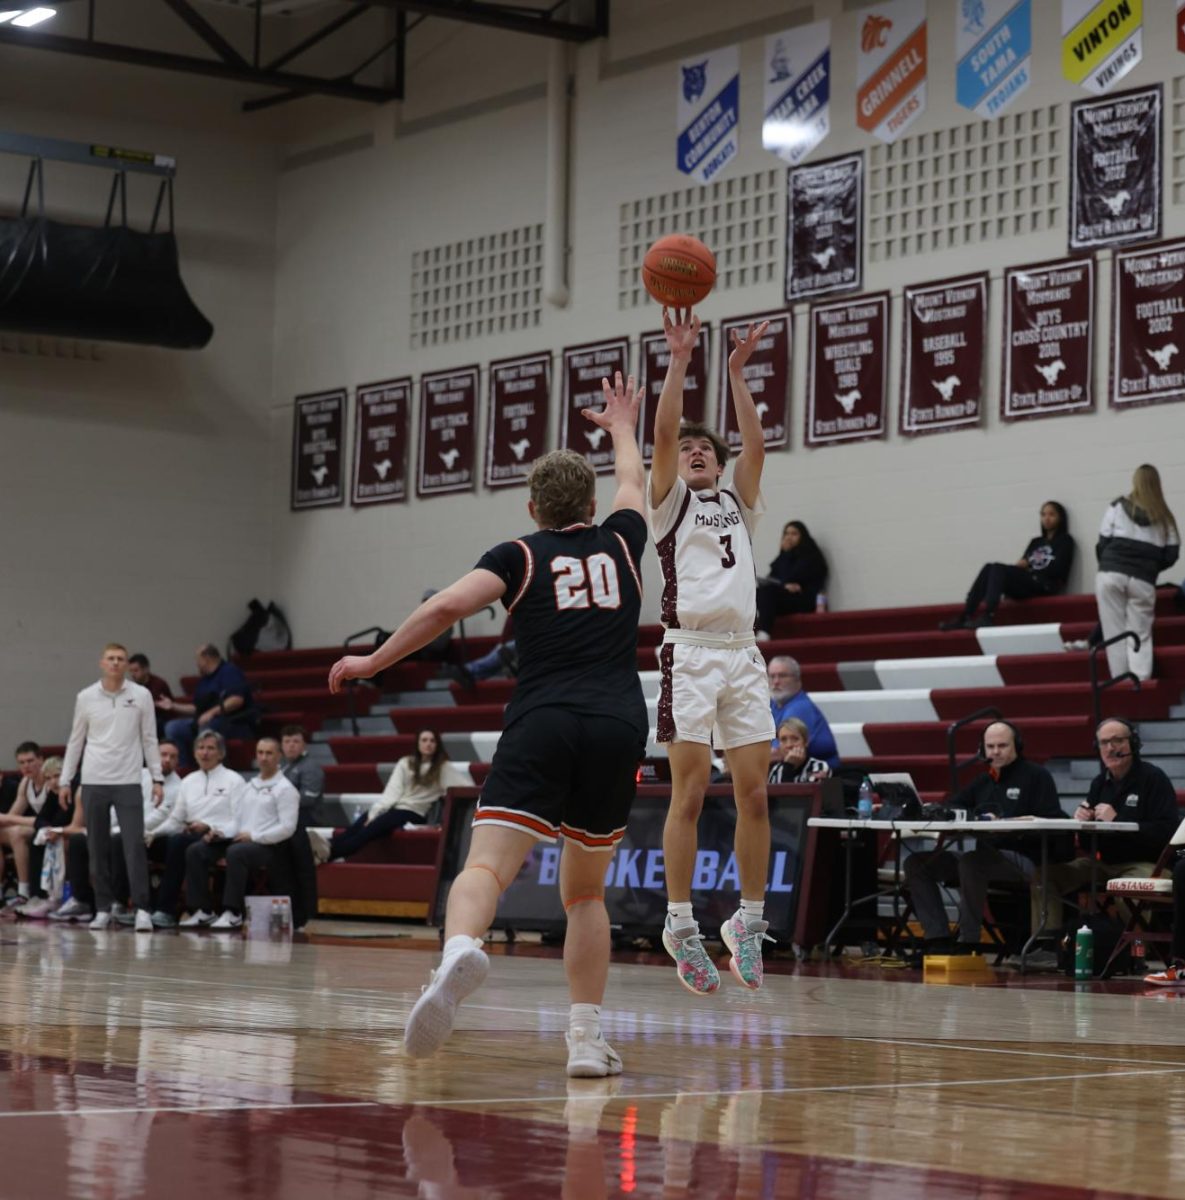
{"x": 116, "y": 721}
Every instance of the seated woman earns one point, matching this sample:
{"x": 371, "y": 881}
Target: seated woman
{"x": 795, "y": 766}
{"x": 1043, "y": 570}
{"x": 417, "y": 782}
{"x": 796, "y": 577}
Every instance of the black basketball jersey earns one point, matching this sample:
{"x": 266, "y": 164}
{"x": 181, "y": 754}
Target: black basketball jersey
{"x": 576, "y": 594}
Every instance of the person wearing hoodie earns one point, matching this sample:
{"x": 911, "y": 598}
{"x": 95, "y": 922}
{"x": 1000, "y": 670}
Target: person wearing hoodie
{"x": 1137, "y": 540}
{"x": 796, "y": 577}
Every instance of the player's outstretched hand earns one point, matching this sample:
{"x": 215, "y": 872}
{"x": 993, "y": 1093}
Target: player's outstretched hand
{"x": 353, "y": 666}
{"x": 682, "y": 332}
{"x": 743, "y": 347}
{"x": 622, "y": 401}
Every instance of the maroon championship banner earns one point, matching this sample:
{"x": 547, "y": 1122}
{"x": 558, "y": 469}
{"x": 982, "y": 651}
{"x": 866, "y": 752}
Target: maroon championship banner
{"x": 767, "y": 373}
{"x": 848, "y": 371}
{"x": 318, "y": 432}
{"x": 380, "y": 443}
{"x": 520, "y": 395}
{"x": 1148, "y": 329}
{"x": 448, "y": 423}
{"x": 1048, "y": 339}
{"x": 1115, "y": 169}
{"x": 584, "y": 368}
{"x": 655, "y": 360}
{"x": 825, "y": 227}
{"x": 943, "y": 352}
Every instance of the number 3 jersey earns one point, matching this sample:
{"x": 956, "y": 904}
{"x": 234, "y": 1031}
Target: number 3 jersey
{"x": 576, "y": 594}
{"x": 705, "y": 550}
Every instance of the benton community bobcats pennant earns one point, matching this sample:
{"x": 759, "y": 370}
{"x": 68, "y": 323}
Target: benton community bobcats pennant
{"x": 1101, "y": 42}
{"x": 891, "y": 68}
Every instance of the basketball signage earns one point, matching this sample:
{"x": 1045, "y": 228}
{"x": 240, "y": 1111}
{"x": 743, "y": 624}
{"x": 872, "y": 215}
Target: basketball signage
{"x": 848, "y": 370}
{"x": 993, "y": 52}
{"x": 584, "y": 368}
{"x": 767, "y": 374}
{"x": 708, "y": 113}
{"x": 520, "y": 395}
{"x": 318, "y": 432}
{"x": 380, "y": 443}
{"x": 1101, "y": 42}
{"x": 825, "y": 227}
{"x": 656, "y": 357}
{"x": 1048, "y": 339}
{"x": 797, "y": 91}
{"x": 943, "y": 355}
{"x": 1148, "y": 333}
{"x": 1115, "y": 169}
{"x": 448, "y": 420}
{"x": 891, "y": 68}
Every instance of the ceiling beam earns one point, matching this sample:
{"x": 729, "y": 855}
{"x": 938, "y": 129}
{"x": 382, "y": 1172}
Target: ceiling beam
{"x": 206, "y": 32}
{"x": 512, "y": 18}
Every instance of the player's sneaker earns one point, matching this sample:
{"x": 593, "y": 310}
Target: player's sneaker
{"x": 697, "y": 972}
{"x": 71, "y": 910}
{"x": 1172, "y": 976}
{"x": 431, "y": 1020}
{"x": 744, "y": 944}
{"x": 590, "y": 1057}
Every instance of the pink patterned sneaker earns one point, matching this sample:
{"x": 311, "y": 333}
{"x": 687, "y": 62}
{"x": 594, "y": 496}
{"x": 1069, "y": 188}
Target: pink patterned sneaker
{"x": 697, "y": 972}
{"x": 744, "y": 944}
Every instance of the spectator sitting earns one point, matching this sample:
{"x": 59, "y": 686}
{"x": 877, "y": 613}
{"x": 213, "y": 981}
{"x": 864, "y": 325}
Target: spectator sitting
{"x": 795, "y": 766}
{"x": 1042, "y": 570}
{"x": 79, "y": 905}
{"x": 416, "y": 784}
{"x": 44, "y": 811}
{"x": 16, "y": 825}
{"x": 139, "y": 672}
{"x": 787, "y": 699}
{"x": 308, "y": 777}
{"x": 222, "y": 702}
{"x": 796, "y": 577}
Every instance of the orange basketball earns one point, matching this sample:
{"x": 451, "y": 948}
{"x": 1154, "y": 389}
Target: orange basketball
{"x": 679, "y": 270}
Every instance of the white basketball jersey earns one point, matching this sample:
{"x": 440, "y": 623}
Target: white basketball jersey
{"x": 705, "y": 550}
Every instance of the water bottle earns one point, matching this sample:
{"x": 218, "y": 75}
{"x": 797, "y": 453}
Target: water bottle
{"x": 67, "y": 892}
{"x": 864, "y": 802}
{"x": 1084, "y": 953}
{"x": 821, "y": 602}
{"x": 275, "y": 925}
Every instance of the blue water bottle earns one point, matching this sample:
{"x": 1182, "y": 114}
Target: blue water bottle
{"x": 864, "y": 802}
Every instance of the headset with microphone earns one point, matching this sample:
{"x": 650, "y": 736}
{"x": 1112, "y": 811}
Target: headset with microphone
{"x": 1018, "y": 739}
{"x": 1133, "y": 735}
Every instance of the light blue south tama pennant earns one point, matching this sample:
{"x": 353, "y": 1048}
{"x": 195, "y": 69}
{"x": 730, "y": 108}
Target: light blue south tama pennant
{"x": 797, "y": 91}
{"x": 993, "y": 47}
{"x": 708, "y": 113}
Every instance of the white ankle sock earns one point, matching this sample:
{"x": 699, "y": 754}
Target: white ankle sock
{"x": 752, "y": 910}
{"x": 456, "y": 944}
{"x": 680, "y": 914}
{"x": 586, "y": 1017}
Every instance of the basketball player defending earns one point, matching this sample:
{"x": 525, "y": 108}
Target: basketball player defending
{"x": 573, "y": 733}
{"x": 714, "y": 684}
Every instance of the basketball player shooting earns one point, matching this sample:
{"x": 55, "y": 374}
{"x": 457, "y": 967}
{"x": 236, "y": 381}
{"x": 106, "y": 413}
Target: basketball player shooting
{"x": 714, "y": 687}
{"x": 573, "y": 732}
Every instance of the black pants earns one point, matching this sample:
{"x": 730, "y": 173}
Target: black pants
{"x": 241, "y": 859}
{"x": 360, "y": 833}
{"x": 188, "y": 859}
{"x": 774, "y": 601}
{"x": 294, "y": 863}
{"x": 1178, "y": 950}
{"x": 1000, "y": 579}
{"x": 78, "y": 869}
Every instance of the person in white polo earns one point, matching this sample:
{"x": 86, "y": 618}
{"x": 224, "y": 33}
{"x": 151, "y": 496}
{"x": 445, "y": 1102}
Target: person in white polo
{"x": 115, "y": 720}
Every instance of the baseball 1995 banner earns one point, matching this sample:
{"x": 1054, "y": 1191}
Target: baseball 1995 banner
{"x": 993, "y": 50}
{"x": 448, "y": 420}
{"x": 318, "y": 431}
{"x": 656, "y": 357}
{"x": 1102, "y": 40}
{"x": 1115, "y": 169}
{"x": 891, "y": 68}
{"x": 944, "y": 341}
{"x": 848, "y": 370}
{"x": 584, "y": 368}
{"x": 825, "y": 227}
{"x": 797, "y": 91}
{"x": 1048, "y": 339}
{"x": 708, "y": 113}
{"x": 767, "y": 374}
{"x": 1148, "y": 329}
{"x": 380, "y": 443}
{"x": 520, "y": 395}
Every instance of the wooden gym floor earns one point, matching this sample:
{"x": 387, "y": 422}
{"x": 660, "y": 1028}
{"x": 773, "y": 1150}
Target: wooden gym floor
{"x": 194, "y": 1065}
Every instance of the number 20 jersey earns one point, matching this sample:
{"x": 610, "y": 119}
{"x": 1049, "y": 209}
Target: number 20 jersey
{"x": 576, "y": 594}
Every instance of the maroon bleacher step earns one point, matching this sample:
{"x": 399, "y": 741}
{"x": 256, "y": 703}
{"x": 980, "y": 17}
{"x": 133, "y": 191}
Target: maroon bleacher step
{"x": 464, "y": 718}
{"x": 1044, "y": 737}
{"x": 1019, "y": 701}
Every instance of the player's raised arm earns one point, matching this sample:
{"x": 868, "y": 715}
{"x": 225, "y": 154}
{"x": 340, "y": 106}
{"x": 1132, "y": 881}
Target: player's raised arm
{"x": 620, "y": 418}
{"x": 746, "y": 475}
{"x": 682, "y": 334}
{"x": 439, "y": 612}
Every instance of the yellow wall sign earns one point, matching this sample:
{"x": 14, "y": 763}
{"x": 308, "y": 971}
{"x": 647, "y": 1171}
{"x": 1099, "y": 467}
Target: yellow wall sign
{"x": 1101, "y": 42}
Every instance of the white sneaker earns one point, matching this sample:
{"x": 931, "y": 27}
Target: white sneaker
{"x": 72, "y": 910}
{"x": 431, "y": 1020}
{"x": 196, "y": 919}
{"x": 228, "y": 920}
{"x": 319, "y": 846}
{"x": 101, "y": 920}
{"x": 590, "y": 1057}
{"x": 143, "y": 921}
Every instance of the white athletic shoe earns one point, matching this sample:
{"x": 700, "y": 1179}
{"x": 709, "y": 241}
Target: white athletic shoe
{"x": 102, "y": 920}
{"x": 228, "y": 920}
{"x": 320, "y": 846}
{"x": 431, "y": 1020}
{"x": 590, "y": 1057}
{"x": 143, "y": 921}
{"x": 196, "y": 919}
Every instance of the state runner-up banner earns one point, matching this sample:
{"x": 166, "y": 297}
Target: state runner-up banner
{"x": 448, "y": 429}
{"x": 380, "y": 443}
{"x": 825, "y": 227}
{"x": 520, "y": 395}
{"x": 766, "y": 374}
{"x": 1148, "y": 330}
{"x": 891, "y": 68}
{"x": 797, "y": 91}
{"x": 1102, "y": 40}
{"x": 584, "y": 368}
{"x": 318, "y": 432}
{"x": 1115, "y": 169}
{"x": 847, "y": 379}
{"x": 1048, "y": 339}
{"x": 708, "y": 113}
{"x": 943, "y": 353}
{"x": 993, "y": 50}
{"x": 1181, "y": 25}
{"x": 656, "y": 357}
